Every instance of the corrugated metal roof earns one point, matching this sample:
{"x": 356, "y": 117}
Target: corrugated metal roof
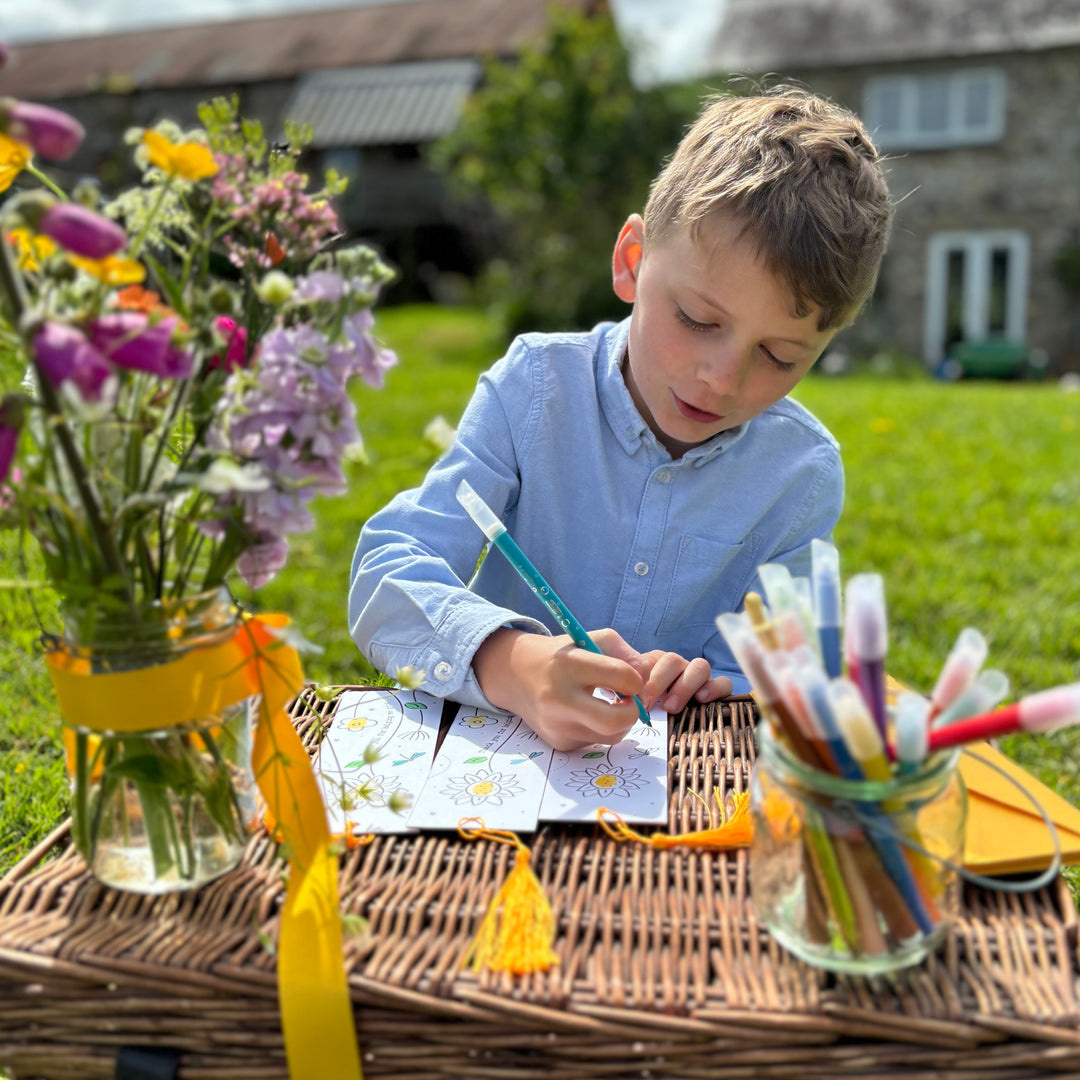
{"x": 381, "y": 104}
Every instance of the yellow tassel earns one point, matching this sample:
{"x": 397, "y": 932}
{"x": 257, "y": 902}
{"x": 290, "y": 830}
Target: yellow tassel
{"x": 519, "y": 929}
{"x": 736, "y": 832}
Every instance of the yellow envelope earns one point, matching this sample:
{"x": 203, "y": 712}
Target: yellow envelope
{"x": 1005, "y": 833}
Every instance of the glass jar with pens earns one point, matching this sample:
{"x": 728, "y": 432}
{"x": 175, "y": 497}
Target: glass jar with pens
{"x": 855, "y": 876}
{"x": 858, "y": 830}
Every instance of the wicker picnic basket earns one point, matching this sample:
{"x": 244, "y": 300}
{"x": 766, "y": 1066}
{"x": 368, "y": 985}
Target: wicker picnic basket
{"x": 663, "y": 971}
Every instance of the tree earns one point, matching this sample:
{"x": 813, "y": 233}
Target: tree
{"x": 563, "y": 147}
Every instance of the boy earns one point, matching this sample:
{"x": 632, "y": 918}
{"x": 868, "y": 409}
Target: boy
{"x": 647, "y": 468}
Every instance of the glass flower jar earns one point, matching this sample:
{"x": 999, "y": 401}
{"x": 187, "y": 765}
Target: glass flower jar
{"x": 158, "y": 806}
{"x": 852, "y": 876}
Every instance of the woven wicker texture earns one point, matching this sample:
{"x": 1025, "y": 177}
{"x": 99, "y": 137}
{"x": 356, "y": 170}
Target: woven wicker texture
{"x": 663, "y": 970}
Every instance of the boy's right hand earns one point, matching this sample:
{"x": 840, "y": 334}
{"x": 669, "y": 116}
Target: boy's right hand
{"x": 549, "y": 683}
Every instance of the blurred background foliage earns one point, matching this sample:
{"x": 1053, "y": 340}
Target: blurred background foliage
{"x": 563, "y": 148}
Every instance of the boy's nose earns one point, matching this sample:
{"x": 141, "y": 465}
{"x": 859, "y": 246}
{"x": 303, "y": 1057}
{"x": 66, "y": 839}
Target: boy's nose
{"x": 724, "y": 368}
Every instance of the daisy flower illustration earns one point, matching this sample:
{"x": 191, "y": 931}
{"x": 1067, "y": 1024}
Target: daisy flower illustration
{"x": 358, "y": 723}
{"x": 605, "y": 780}
{"x": 482, "y": 786}
{"x": 479, "y": 721}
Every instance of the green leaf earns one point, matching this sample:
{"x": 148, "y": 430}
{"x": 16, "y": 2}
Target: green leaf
{"x": 594, "y": 753}
{"x": 355, "y": 765}
{"x": 475, "y": 760}
{"x": 414, "y": 705}
{"x": 169, "y": 287}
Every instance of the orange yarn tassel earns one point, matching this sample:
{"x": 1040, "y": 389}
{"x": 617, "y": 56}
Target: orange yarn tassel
{"x": 519, "y": 928}
{"x": 736, "y": 832}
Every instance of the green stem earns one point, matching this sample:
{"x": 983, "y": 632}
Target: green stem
{"x": 133, "y": 251}
{"x": 40, "y": 176}
{"x": 80, "y": 817}
{"x": 12, "y": 284}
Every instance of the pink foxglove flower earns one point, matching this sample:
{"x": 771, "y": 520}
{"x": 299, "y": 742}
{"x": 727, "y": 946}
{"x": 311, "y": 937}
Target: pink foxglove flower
{"x": 48, "y": 132}
{"x": 64, "y": 355}
{"x": 235, "y": 344}
{"x": 81, "y": 231}
{"x": 12, "y": 408}
{"x": 129, "y": 340}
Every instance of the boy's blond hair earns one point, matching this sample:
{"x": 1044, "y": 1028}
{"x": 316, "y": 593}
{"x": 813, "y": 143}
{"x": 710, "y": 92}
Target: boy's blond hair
{"x": 803, "y": 177}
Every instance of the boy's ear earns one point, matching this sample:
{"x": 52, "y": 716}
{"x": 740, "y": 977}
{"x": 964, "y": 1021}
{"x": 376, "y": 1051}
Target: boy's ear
{"x": 627, "y": 259}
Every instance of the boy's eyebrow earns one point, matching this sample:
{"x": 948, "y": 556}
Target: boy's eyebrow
{"x": 798, "y": 342}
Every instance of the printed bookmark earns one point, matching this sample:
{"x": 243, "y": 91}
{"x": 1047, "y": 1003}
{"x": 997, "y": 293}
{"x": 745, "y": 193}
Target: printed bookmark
{"x": 629, "y": 777}
{"x": 375, "y": 756}
{"x": 491, "y": 765}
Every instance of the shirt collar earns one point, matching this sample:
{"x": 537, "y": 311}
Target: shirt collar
{"x": 622, "y": 415}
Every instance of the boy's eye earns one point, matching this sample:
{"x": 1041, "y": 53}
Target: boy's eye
{"x": 777, "y": 363}
{"x": 693, "y": 324}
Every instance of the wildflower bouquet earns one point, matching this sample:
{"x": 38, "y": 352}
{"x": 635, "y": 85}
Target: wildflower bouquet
{"x": 175, "y": 363}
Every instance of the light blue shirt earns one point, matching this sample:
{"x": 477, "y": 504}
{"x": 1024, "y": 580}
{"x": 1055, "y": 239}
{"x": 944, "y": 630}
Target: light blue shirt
{"x": 629, "y": 538}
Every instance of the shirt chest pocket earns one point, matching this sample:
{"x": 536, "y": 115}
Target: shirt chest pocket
{"x": 709, "y": 578}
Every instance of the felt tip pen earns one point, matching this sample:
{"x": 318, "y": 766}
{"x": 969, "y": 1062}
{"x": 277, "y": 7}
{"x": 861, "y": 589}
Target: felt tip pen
{"x": 860, "y": 753}
{"x": 759, "y": 618}
{"x": 497, "y": 533}
{"x": 1045, "y": 711}
{"x": 865, "y": 621}
{"x": 911, "y": 731}
{"x": 758, "y": 666}
{"x": 825, "y": 579}
{"x": 959, "y": 670}
{"x": 988, "y": 689}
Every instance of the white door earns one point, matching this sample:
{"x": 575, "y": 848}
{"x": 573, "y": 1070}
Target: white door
{"x": 976, "y": 289}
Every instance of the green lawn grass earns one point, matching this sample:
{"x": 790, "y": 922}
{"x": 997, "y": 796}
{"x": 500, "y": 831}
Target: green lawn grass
{"x": 964, "y": 495}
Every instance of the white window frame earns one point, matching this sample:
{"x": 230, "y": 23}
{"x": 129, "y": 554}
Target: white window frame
{"x": 978, "y": 247}
{"x": 909, "y": 136}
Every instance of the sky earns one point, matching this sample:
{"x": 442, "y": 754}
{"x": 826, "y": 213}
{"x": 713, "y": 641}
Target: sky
{"x": 36, "y": 20}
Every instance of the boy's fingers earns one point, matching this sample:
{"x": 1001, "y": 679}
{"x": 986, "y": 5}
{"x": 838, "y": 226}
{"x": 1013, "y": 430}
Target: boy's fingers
{"x": 612, "y": 644}
{"x": 714, "y": 689}
{"x": 665, "y": 671}
{"x": 694, "y": 676}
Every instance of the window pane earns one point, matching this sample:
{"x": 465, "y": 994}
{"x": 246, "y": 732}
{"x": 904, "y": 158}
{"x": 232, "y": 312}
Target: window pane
{"x": 887, "y": 108}
{"x": 999, "y": 286}
{"x": 932, "y": 104}
{"x": 976, "y": 102}
{"x": 954, "y": 299}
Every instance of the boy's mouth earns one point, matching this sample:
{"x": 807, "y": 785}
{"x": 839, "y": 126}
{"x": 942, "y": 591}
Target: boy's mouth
{"x": 692, "y": 412}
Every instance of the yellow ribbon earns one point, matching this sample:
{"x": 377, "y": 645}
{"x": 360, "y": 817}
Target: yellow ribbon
{"x": 316, "y": 1011}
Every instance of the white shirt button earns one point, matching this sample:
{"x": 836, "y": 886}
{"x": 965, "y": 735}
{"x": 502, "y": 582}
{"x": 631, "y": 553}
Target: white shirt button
{"x": 641, "y": 569}
{"x": 442, "y": 670}
{"x": 663, "y": 476}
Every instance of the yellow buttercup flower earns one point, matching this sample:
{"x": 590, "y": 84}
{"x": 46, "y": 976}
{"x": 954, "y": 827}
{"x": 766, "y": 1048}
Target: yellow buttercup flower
{"x": 113, "y": 270}
{"x": 31, "y": 249}
{"x": 14, "y": 157}
{"x": 191, "y": 160}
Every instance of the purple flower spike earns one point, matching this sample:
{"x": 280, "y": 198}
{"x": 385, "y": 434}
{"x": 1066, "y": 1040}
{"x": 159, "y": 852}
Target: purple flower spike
{"x": 64, "y": 354}
{"x": 258, "y": 564}
{"x": 12, "y": 407}
{"x": 81, "y": 231}
{"x": 129, "y": 340}
{"x": 48, "y": 132}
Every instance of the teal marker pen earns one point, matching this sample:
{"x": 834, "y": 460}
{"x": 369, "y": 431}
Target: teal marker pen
{"x": 496, "y": 532}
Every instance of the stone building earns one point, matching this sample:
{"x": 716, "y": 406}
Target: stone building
{"x": 977, "y": 104}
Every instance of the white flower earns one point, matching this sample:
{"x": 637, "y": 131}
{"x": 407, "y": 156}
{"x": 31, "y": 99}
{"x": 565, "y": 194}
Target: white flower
{"x": 605, "y": 780}
{"x": 225, "y": 476}
{"x": 440, "y": 434}
{"x": 409, "y": 678}
{"x": 275, "y": 288}
{"x": 482, "y": 786}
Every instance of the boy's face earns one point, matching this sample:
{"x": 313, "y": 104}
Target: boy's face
{"x": 714, "y": 338}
